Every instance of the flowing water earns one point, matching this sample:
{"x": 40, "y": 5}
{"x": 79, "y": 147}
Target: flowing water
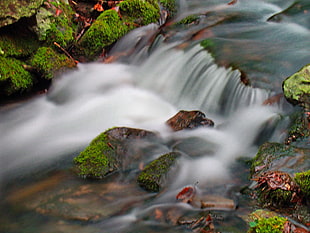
{"x": 167, "y": 70}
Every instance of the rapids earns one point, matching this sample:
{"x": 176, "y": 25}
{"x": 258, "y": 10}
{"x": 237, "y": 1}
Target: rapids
{"x": 150, "y": 85}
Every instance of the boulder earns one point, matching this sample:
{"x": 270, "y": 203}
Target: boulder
{"x": 13, "y": 77}
{"x": 154, "y": 176}
{"x": 189, "y": 120}
{"x": 112, "y": 150}
{"x": 112, "y": 24}
{"x": 278, "y": 174}
{"x": 296, "y": 88}
{"x": 48, "y": 63}
{"x": 12, "y": 10}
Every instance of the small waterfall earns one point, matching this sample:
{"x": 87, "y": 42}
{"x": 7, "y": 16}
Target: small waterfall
{"x": 190, "y": 79}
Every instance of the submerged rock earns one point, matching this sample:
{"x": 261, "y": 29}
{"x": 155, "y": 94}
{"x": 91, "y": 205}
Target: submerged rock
{"x": 296, "y": 88}
{"x": 111, "y": 151}
{"x": 154, "y": 176}
{"x": 189, "y": 120}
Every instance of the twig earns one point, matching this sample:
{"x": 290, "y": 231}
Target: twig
{"x": 65, "y": 51}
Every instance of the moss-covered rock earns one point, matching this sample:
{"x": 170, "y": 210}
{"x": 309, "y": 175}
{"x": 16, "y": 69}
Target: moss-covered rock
{"x": 303, "y": 180}
{"x": 296, "y": 88}
{"x": 279, "y": 157}
{"x": 54, "y": 23}
{"x": 97, "y": 160}
{"x": 13, "y": 77}
{"x": 274, "y": 224}
{"x": 48, "y": 63}
{"x": 107, "y": 29}
{"x": 139, "y": 12}
{"x": 274, "y": 168}
{"x": 109, "y": 151}
{"x": 153, "y": 176}
{"x": 298, "y": 130}
{"x": 15, "y": 44}
{"x": 12, "y": 10}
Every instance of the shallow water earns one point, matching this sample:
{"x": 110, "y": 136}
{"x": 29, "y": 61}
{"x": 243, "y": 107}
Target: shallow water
{"x": 40, "y": 137}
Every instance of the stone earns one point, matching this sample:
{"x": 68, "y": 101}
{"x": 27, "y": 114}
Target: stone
{"x": 154, "y": 176}
{"x": 112, "y": 150}
{"x": 12, "y": 10}
{"x": 296, "y": 88}
{"x": 189, "y": 120}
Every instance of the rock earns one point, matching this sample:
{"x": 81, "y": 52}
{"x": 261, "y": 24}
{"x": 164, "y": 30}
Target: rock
{"x": 54, "y": 23}
{"x": 296, "y": 88}
{"x": 299, "y": 130}
{"x": 154, "y": 176}
{"x": 111, "y": 151}
{"x": 189, "y": 120}
{"x": 139, "y": 12}
{"x": 274, "y": 168}
{"x": 266, "y": 221}
{"x": 12, "y": 10}
{"x": 48, "y": 63}
{"x": 109, "y": 26}
{"x": 280, "y": 157}
{"x": 105, "y": 30}
{"x": 303, "y": 180}
{"x": 13, "y": 77}
{"x": 18, "y": 41}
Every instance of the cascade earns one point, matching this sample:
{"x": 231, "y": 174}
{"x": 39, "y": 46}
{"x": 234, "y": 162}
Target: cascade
{"x": 155, "y": 80}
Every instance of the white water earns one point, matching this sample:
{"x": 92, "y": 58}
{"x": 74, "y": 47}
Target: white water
{"x": 95, "y": 97}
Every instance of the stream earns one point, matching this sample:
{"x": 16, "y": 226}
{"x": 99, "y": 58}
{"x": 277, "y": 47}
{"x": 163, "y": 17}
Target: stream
{"x": 165, "y": 69}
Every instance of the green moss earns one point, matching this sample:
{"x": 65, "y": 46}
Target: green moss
{"x": 97, "y": 160}
{"x": 13, "y": 77}
{"x": 13, "y": 45}
{"x": 189, "y": 19}
{"x": 56, "y": 28}
{"x": 268, "y": 152}
{"x": 303, "y": 180}
{"x": 153, "y": 175}
{"x": 104, "y": 31}
{"x": 276, "y": 197}
{"x": 48, "y": 62}
{"x": 267, "y": 225}
{"x": 298, "y": 129}
{"x": 296, "y": 88}
{"x": 139, "y": 12}
{"x": 169, "y": 5}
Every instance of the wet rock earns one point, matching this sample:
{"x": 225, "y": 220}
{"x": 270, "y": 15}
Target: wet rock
{"x": 266, "y": 221}
{"x": 54, "y": 23}
{"x": 12, "y": 10}
{"x": 48, "y": 63}
{"x": 296, "y": 88}
{"x": 299, "y": 130}
{"x": 280, "y": 157}
{"x": 111, "y": 151}
{"x": 111, "y": 25}
{"x": 189, "y": 120}
{"x": 274, "y": 169}
{"x": 154, "y": 176}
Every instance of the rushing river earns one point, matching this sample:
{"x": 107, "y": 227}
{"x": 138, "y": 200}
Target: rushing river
{"x": 167, "y": 70}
